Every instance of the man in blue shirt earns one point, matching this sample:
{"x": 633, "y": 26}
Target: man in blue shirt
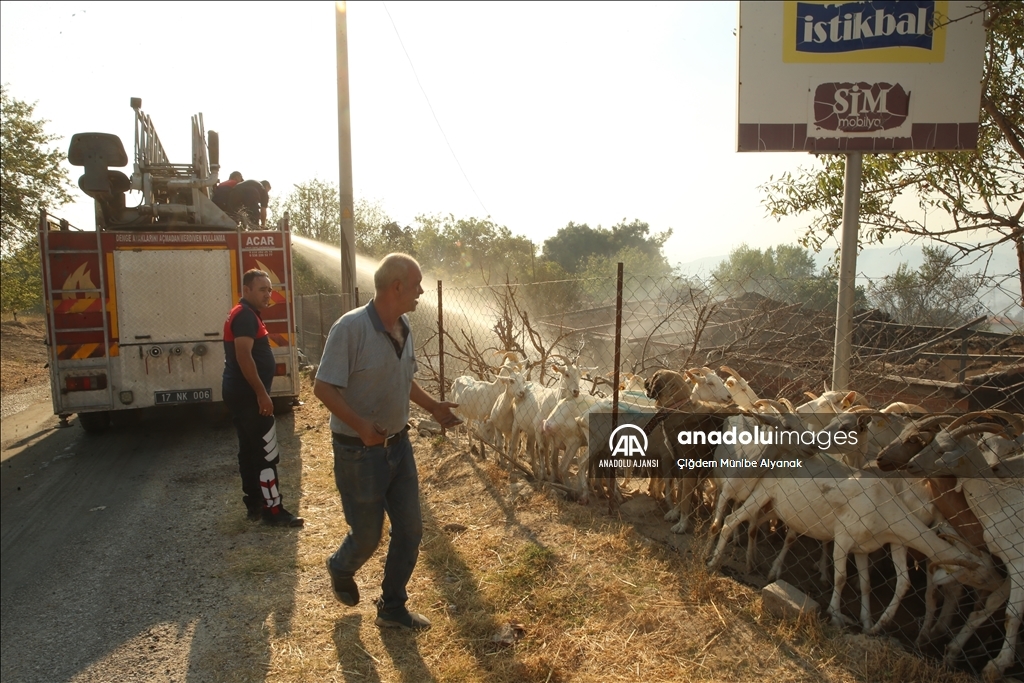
{"x": 366, "y": 380}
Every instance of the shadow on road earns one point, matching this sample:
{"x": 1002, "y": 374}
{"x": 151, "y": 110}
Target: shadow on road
{"x": 127, "y": 555}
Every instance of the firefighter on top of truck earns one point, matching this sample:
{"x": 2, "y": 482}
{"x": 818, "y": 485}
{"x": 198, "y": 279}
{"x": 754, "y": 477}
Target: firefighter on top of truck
{"x": 247, "y": 203}
{"x": 221, "y": 192}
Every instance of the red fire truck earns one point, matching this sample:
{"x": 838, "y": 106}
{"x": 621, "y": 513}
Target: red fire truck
{"x": 135, "y": 310}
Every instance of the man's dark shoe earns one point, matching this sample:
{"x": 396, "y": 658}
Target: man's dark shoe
{"x": 280, "y": 517}
{"x": 412, "y": 621}
{"x": 254, "y": 514}
{"x": 345, "y": 588}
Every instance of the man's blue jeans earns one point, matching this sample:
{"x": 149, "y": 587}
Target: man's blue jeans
{"x": 374, "y": 480}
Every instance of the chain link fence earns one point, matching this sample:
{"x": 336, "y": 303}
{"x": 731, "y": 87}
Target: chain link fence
{"x": 938, "y": 561}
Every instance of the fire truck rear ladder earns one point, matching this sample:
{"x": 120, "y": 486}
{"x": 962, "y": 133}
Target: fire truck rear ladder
{"x": 87, "y": 363}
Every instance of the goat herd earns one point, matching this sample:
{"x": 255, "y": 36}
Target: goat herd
{"x": 947, "y": 487}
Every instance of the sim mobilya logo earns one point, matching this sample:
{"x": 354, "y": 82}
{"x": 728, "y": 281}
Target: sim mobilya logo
{"x": 899, "y": 31}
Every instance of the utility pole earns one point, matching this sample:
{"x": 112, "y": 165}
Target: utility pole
{"x": 348, "y": 233}
{"x": 847, "y": 274}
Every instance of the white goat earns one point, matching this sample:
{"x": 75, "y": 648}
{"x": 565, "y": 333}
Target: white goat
{"x": 476, "y": 397}
{"x": 742, "y": 394}
{"x": 859, "y": 514}
{"x": 533, "y": 403}
{"x": 818, "y": 412}
{"x": 706, "y": 386}
{"x": 561, "y": 431}
{"x": 497, "y": 428}
{"x": 999, "y": 505}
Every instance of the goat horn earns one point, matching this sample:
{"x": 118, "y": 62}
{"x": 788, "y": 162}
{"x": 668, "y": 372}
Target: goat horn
{"x": 774, "y": 404}
{"x": 558, "y": 355}
{"x": 926, "y": 423}
{"x": 967, "y": 430}
{"x": 862, "y": 409}
{"x": 729, "y": 371}
{"x": 789, "y": 406}
{"x": 901, "y": 408}
{"x": 810, "y": 396}
{"x": 768, "y": 419}
{"x": 966, "y": 418}
{"x": 959, "y": 542}
{"x": 1014, "y": 419}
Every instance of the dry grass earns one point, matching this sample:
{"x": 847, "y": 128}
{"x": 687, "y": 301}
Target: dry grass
{"x": 597, "y": 600}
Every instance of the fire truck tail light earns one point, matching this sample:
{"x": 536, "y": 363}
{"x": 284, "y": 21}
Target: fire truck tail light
{"x": 85, "y": 383}
{"x": 280, "y": 370}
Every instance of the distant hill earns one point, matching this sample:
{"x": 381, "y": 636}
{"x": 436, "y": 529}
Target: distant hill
{"x": 1002, "y": 298}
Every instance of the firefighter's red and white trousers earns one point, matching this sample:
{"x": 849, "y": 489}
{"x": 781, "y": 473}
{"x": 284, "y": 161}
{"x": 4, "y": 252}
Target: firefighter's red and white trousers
{"x": 258, "y": 452}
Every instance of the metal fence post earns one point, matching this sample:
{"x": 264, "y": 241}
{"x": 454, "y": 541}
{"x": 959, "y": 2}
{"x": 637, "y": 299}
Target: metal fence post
{"x": 440, "y": 339}
{"x": 440, "y": 345}
{"x": 615, "y": 388}
{"x": 618, "y": 346}
{"x": 357, "y": 297}
{"x": 300, "y": 312}
{"x": 320, "y": 304}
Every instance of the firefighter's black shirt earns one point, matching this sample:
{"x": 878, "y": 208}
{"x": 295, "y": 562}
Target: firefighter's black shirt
{"x": 245, "y": 321}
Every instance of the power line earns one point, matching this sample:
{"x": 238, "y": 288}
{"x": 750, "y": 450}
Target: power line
{"x": 431, "y": 107}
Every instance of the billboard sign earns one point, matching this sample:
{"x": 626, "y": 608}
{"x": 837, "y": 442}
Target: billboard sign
{"x": 875, "y": 76}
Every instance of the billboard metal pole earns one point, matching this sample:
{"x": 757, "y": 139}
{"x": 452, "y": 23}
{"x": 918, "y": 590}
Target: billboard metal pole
{"x": 348, "y": 239}
{"x": 847, "y": 273}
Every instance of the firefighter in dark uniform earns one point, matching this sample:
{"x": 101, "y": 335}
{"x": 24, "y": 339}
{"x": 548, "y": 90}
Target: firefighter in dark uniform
{"x": 248, "y": 372}
{"x": 247, "y": 203}
{"x": 221, "y": 192}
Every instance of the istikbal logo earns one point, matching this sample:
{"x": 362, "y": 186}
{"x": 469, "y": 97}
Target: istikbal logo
{"x": 882, "y": 31}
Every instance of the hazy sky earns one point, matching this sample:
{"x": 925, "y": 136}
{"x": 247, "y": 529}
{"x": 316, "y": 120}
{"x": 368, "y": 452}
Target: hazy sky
{"x": 585, "y": 112}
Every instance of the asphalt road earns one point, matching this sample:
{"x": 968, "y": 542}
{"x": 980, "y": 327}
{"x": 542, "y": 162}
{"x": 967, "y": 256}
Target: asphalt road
{"x": 112, "y": 550}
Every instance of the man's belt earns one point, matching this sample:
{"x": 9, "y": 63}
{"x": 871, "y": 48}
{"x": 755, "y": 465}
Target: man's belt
{"x": 356, "y": 442}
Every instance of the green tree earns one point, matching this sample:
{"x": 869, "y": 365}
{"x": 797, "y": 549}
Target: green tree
{"x": 573, "y": 246}
{"x": 472, "y": 250}
{"x": 32, "y": 176}
{"x": 785, "y": 273}
{"x": 551, "y": 289}
{"x": 314, "y": 210}
{"x": 22, "y": 285}
{"x": 981, "y": 192}
{"x": 937, "y": 293}
{"x": 377, "y": 234}
{"x": 32, "y": 179}
{"x": 598, "y": 274}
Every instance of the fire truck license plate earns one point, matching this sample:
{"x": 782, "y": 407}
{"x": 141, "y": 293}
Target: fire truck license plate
{"x": 184, "y": 396}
